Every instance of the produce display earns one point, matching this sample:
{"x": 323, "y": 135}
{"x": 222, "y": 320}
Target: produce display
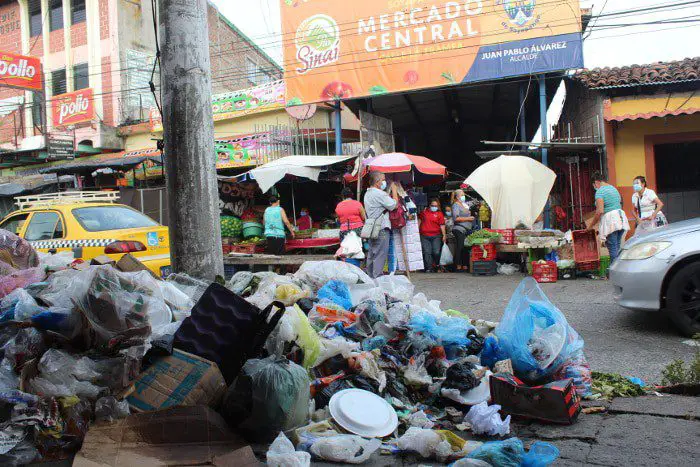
{"x": 231, "y": 226}
{"x": 483, "y": 236}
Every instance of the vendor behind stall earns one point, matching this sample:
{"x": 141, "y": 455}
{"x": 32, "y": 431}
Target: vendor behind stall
{"x": 463, "y": 224}
{"x": 275, "y": 221}
{"x": 432, "y": 235}
{"x": 304, "y": 221}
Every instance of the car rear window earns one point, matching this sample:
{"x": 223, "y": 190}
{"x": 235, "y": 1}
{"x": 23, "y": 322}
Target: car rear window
{"x": 101, "y": 218}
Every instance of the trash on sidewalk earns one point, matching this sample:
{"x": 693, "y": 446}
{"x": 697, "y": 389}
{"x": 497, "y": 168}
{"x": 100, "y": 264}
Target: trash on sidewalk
{"x": 485, "y": 420}
{"x": 194, "y": 435}
{"x": 177, "y": 379}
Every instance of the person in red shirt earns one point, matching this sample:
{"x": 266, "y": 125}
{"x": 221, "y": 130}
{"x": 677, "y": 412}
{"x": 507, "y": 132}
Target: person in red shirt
{"x": 351, "y": 214}
{"x": 304, "y": 221}
{"x": 432, "y": 235}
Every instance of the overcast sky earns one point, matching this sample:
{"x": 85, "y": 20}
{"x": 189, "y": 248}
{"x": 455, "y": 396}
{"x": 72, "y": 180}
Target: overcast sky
{"x": 260, "y": 20}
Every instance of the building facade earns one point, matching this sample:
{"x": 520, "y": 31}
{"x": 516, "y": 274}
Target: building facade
{"x": 651, "y": 118}
{"x": 104, "y": 52}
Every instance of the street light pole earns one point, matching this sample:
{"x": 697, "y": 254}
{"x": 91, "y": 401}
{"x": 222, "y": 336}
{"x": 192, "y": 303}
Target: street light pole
{"x": 190, "y": 171}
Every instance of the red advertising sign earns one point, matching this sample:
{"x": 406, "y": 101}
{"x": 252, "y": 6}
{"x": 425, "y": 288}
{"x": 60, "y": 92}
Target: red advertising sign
{"x": 74, "y": 107}
{"x": 20, "y": 71}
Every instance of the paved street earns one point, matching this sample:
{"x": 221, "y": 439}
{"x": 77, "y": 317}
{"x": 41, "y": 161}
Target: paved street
{"x": 616, "y": 340}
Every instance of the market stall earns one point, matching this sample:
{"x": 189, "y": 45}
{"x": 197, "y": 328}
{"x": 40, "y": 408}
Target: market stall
{"x": 410, "y": 171}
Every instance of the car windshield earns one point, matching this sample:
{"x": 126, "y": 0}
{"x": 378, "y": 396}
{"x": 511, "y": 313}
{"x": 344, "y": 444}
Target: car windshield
{"x": 100, "y": 218}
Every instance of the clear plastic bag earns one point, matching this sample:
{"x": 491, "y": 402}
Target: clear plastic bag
{"x": 337, "y": 292}
{"x": 62, "y": 375}
{"x": 332, "y": 347}
{"x": 421, "y": 302}
{"x": 349, "y": 449}
{"x": 289, "y": 294}
{"x": 427, "y": 443}
{"x": 178, "y": 301}
{"x": 12, "y": 279}
{"x": 109, "y": 409}
{"x": 368, "y": 292}
{"x": 294, "y": 326}
{"x": 122, "y": 307}
{"x": 239, "y": 282}
{"x": 507, "y": 269}
{"x": 282, "y": 454}
{"x": 534, "y": 334}
{"x": 268, "y": 396}
{"x": 18, "y": 305}
{"x": 415, "y": 373}
{"x": 485, "y": 419}
{"x": 60, "y": 260}
{"x": 446, "y": 258}
{"x": 190, "y": 286}
{"x": 398, "y": 288}
{"x": 17, "y": 252}
{"x": 317, "y": 273}
{"x": 27, "y": 345}
{"x": 351, "y": 246}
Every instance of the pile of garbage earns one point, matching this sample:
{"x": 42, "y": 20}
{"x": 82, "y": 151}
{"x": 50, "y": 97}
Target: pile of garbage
{"x": 325, "y": 364}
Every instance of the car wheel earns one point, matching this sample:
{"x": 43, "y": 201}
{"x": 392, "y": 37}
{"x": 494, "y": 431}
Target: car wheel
{"x": 683, "y": 299}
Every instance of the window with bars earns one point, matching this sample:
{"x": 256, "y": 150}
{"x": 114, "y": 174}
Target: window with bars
{"x": 56, "y": 14}
{"x": 77, "y": 13}
{"x": 38, "y": 113}
{"x": 58, "y": 82}
{"x": 81, "y": 78}
{"x": 35, "y": 19}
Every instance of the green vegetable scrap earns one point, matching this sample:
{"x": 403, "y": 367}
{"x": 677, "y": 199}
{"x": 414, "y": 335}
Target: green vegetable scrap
{"x": 609, "y": 385}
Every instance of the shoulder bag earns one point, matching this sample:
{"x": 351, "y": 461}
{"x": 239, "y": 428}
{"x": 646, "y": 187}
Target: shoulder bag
{"x": 372, "y": 227}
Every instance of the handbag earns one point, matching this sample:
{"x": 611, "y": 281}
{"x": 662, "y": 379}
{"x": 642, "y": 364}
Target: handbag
{"x": 372, "y": 227}
{"x": 397, "y": 217}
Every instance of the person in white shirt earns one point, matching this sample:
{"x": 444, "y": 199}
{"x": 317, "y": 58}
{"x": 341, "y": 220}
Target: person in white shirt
{"x": 647, "y": 206}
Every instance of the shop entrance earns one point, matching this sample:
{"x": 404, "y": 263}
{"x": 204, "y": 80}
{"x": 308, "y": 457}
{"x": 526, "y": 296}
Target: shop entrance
{"x": 677, "y": 174}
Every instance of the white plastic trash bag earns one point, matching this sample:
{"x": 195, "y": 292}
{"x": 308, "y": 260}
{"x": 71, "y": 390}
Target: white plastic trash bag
{"x": 446, "y": 258}
{"x": 349, "y": 449}
{"x": 351, "y": 246}
{"x": 507, "y": 269}
{"x": 485, "y": 420}
{"x": 283, "y": 454}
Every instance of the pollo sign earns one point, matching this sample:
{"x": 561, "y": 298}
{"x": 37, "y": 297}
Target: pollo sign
{"x": 74, "y": 107}
{"x": 19, "y": 71}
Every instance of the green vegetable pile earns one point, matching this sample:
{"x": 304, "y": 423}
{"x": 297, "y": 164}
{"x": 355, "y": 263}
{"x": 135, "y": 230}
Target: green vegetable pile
{"x": 483, "y": 236}
{"x": 609, "y": 385}
{"x": 231, "y": 226}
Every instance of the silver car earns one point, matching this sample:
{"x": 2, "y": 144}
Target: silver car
{"x": 660, "y": 270}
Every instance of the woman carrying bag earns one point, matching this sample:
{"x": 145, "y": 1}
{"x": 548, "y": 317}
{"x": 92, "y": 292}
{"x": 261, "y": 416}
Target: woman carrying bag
{"x": 647, "y": 207}
{"x": 463, "y": 224}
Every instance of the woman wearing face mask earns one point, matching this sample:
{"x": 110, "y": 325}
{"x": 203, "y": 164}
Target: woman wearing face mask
{"x": 613, "y": 220}
{"x": 431, "y": 225}
{"x": 304, "y": 221}
{"x": 647, "y": 207}
{"x": 463, "y": 224}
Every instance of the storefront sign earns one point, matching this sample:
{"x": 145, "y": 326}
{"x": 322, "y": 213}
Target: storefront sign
{"x": 340, "y": 50}
{"x": 19, "y": 71}
{"x": 73, "y": 107}
{"x": 237, "y": 153}
{"x": 234, "y": 104}
{"x": 60, "y": 148}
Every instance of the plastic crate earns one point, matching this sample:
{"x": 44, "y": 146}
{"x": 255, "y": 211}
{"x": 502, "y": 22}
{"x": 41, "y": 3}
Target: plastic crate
{"x": 566, "y": 274}
{"x": 544, "y": 272}
{"x": 588, "y": 266}
{"x": 586, "y": 247}
{"x": 484, "y": 268}
{"x": 485, "y": 252}
{"x": 534, "y": 254}
{"x": 604, "y": 266}
{"x": 246, "y": 248}
{"x": 507, "y": 236}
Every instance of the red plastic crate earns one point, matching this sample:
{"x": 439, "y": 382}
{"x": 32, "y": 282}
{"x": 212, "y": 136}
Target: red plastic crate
{"x": 484, "y": 252}
{"x": 586, "y": 247}
{"x": 588, "y": 266}
{"x": 544, "y": 272}
{"x": 507, "y": 236}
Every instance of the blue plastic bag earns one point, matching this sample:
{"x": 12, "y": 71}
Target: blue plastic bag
{"x": 535, "y": 335}
{"x": 446, "y": 331}
{"x": 541, "y": 454}
{"x": 511, "y": 453}
{"x": 337, "y": 292}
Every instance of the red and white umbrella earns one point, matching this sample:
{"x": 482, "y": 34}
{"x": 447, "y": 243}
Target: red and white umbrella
{"x": 397, "y": 162}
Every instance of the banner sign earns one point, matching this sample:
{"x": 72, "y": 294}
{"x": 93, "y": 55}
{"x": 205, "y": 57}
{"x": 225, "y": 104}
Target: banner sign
{"x": 73, "y": 107}
{"x": 235, "y": 104}
{"x": 241, "y": 152}
{"x": 20, "y": 71}
{"x": 340, "y": 50}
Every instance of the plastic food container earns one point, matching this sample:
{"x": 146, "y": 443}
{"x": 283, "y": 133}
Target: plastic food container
{"x": 363, "y": 413}
{"x": 252, "y": 229}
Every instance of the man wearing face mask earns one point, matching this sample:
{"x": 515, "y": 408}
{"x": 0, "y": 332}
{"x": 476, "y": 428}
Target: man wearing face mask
{"x": 432, "y": 235}
{"x": 377, "y": 206}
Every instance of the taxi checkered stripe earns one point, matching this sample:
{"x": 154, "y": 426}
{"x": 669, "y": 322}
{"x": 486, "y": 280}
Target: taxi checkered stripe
{"x": 72, "y": 243}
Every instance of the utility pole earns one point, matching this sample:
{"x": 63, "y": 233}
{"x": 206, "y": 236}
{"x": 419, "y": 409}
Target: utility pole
{"x": 190, "y": 170}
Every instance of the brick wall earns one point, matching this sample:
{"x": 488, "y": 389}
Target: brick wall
{"x": 56, "y": 41}
{"x": 78, "y": 34}
{"x": 104, "y": 19}
{"x": 10, "y": 28}
{"x": 228, "y": 52}
{"x": 583, "y": 110}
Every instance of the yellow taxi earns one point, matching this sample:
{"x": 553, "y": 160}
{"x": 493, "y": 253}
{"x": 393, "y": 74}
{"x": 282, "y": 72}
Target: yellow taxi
{"x": 90, "y": 224}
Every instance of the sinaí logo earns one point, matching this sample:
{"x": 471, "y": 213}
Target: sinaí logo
{"x": 521, "y": 15}
{"x": 318, "y": 42}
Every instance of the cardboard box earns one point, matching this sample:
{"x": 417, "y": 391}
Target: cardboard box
{"x": 177, "y": 379}
{"x": 175, "y": 436}
{"x": 129, "y": 263}
{"x": 102, "y": 260}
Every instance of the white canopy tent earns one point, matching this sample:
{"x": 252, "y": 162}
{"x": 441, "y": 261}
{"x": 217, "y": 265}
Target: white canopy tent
{"x": 515, "y": 187}
{"x": 309, "y": 167}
